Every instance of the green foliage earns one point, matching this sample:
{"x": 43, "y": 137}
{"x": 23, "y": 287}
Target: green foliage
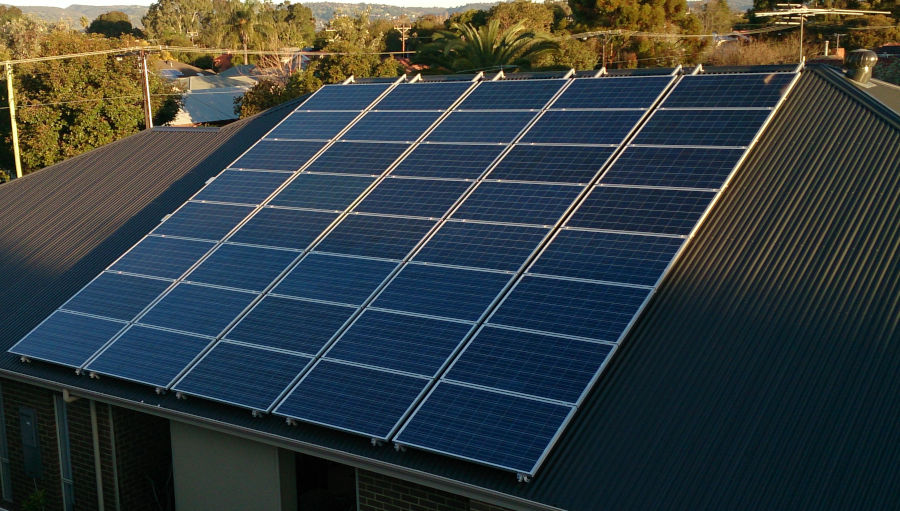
{"x": 37, "y": 501}
{"x": 470, "y": 48}
{"x": 269, "y": 92}
{"x": 572, "y": 54}
{"x": 534, "y": 17}
{"x": 70, "y": 106}
{"x": 111, "y": 24}
{"x": 474, "y": 17}
{"x": 889, "y": 71}
{"x": 359, "y": 43}
{"x": 9, "y": 13}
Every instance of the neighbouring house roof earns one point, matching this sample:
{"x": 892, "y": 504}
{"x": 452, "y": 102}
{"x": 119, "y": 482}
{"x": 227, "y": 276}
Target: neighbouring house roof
{"x": 762, "y": 374}
{"x": 210, "y": 98}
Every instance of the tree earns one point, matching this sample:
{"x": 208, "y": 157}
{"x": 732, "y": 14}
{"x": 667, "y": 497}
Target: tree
{"x": 111, "y": 24}
{"x": 270, "y": 92}
{"x": 470, "y": 48}
{"x": 534, "y": 17}
{"x": 247, "y": 27}
{"x": 359, "y": 44}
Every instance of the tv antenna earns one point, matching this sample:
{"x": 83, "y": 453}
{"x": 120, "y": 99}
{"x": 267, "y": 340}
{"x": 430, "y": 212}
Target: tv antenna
{"x": 796, "y": 14}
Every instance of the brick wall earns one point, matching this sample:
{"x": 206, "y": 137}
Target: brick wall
{"x": 382, "y": 493}
{"x": 144, "y": 456}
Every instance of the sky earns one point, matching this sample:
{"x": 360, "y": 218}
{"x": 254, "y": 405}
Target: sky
{"x": 66, "y": 3}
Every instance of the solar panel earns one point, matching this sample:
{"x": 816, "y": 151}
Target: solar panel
{"x": 455, "y": 293}
{"x": 352, "y": 398}
{"x": 499, "y": 127}
{"x": 187, "y": 308}
{"x": 567, "y": 307}
{"x": 511, "y": 95}
{"x": 300, "y": 326}
{"x": 734, "y": 91}
{"x": 413, "y": 197}
{"x": 322, "y": 191}
{"x": 286, "y": 228}
{"x": 583, "y": 127}
{"x": 148, "y": 355}
{"x": 342, "y": 97}
{"x": 156, "y": 256}
{"x": 702, "y": 127}
{"x": 526, "y": 363}
{"x": 228, "y": 267}
{"x": 450, "y": 161}
{"x": 330, "y": 278}
{"x": 376, "y": 236}
{"x": 203, "y": 221}
{"x": 686, "y": 167}
{"x": 520, "y": 203}
{"x": 423, "y": 96}
{"x": 278, "y": 155}
{"x": 400, "y": 342}
{"x": 502, "y": 430}
{"x": 243, "y": 187}
{"x": 224, "y": 375}
{"x": 642, "y": 210}
{"x": 612, "y": 92}
{"x": 117, "y": 296}
{"x": 53, "y": 339}
{"x": 357, "y": 158}
{"x": 608, "y": 257}
{"x": 478, "y": 245}
{"x": 552, "y": 164}
{"x": 391, "y": 126}
{"x": 312, "y": 126}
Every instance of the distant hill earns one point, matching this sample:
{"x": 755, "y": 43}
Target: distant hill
{"x": 73, "y": 13}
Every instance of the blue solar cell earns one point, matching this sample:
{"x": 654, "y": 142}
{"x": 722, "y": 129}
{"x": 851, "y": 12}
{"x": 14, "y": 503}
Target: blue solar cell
{"x": 319, "y": 191}
{"x": 398, "y": 126}
{"x": 396, "y": 341}
{"x": 335, "y": 279}
{"x": 438, "y": 291}
{"x": 352, "y": 398}
{"x": 242, "y": 375}
{"x": 289, "y": 324}
{"x": 509, "y": 95}
{"x": 492, "y": 246}
{"x": 619, "y": 92}
{"x": 521, "y": 203}
{"x": 162, "y": 257}
{"x": 583, "y": 127}
{"x": 199, "y": 309}
{"x": 375, "y": 236}
{"x": 631, "y": 259}
{"x": 684, "y": 167}
{"x": 344, "y": 97}
{"x": 500, "y": 430}
{"x": 277, "y": 155}
{"x": 358, "y": 158}
{"x": 204, "y": 221}
{"x": 117, "y": 296}
{"x": 250, "y": 268}
{"x": 480, "y": 127}
{"x": 423, "y": 96}
{"x": 702, "y": 127}
{"x": 584, "y": 309}
{"x": 413, "y": 197}
{"x": 243, "y": 187}
{"x": 312, "y": 125}
{"x": 566, "y": 164}
{"x": 288, "y": 228}
{"x": 448, "y": 161}
{"x": 67, "y": 339}
{"x": 738, "y": 90}
{"x": 148, "y": 355}
{"x": 534, "y": 364}
{"x": 642, "y": 210}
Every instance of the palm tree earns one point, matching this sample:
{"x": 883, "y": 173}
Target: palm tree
{"x": 467, "y": 48}
{"x": 246, "y": 27}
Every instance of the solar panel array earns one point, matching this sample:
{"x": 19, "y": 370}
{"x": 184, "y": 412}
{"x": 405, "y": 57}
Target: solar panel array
{"x": 445, "y": 265}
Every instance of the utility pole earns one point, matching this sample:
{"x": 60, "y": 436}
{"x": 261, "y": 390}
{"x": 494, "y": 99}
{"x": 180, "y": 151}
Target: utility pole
{"x": 10, "y": 96}
{"x": 403, "y": 29}
{"x": 145, "y": 82}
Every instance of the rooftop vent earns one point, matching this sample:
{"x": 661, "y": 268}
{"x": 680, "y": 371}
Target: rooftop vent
{"x": 859, "y": 65}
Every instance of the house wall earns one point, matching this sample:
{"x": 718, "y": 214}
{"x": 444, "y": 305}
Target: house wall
{"x": 133, "y": 450}
{"x": 381, "y": 493}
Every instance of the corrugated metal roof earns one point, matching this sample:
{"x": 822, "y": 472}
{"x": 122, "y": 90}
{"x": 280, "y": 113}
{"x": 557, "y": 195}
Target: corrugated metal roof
{"x": 761, "y": 375}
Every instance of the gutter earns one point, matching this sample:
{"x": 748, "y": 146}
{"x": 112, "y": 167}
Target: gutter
{"x": 361, "y": 462}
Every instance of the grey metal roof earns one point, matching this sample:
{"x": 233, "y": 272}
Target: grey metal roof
{"x": 761, "y": 375}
